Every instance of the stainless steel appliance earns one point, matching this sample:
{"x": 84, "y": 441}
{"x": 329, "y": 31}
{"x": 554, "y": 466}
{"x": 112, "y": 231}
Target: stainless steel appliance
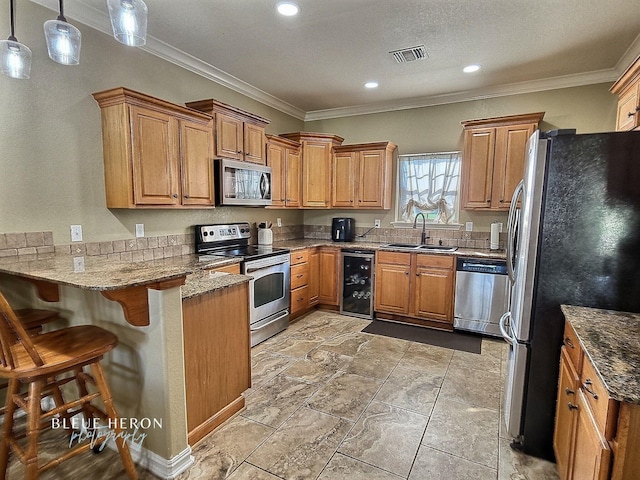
{"x": 343, "y": 229}
{"x": 576, "y": 241}
{"x": 357, "y": 283}
{"x": 242, "y": 183}
{"x": 482, "y": 293}
{"x": 268, "y": 267}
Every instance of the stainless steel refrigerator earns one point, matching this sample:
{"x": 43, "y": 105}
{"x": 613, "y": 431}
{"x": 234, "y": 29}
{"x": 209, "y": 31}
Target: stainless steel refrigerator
{"x": 573, "y": 238}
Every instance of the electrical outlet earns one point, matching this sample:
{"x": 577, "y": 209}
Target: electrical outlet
{"x": 469, "y": 226}
{"x": 139, "y": 230}
{"x": 376, "y": 223}
{"x": 76, "y": 233}
{"x": 279, "y": 222}
{"x": 78, "y": 264}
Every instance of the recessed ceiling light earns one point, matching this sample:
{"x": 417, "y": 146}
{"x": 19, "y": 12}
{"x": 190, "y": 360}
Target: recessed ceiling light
{"x": 371, "y": 85}
{"x": 288, "y": 9}
{"x": 471, "y": 68}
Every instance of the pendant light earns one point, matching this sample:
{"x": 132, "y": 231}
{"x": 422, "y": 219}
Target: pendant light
{"x": 63, "y": 40}
{"x": 129, "y": 21}
{"x": 15, "y": 58}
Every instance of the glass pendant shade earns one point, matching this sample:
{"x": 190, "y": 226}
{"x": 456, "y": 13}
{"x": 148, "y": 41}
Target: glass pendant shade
{"x": 63, "y": 42}
{"x": 129, "y": 21}
{"x": 15, "y": 58}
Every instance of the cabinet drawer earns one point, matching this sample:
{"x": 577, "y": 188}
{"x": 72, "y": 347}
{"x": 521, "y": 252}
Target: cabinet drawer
{"x": 604, "y": 409}
{"x": 572, "y": 346}
{"x": 395, "y": 258}
{"x": 233, "y": 268}
{"x": 435, "y": 261}
{"x": 299, "y": 256}
{"x": 299, "y": 299}
{"x": 299, "y": 275}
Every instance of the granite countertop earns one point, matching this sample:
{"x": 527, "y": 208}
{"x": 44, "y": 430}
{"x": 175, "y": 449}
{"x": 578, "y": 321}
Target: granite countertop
{"x": 103, "y": 274}
{"x": 611, "y": 340}
{"x": 311, "y": 242}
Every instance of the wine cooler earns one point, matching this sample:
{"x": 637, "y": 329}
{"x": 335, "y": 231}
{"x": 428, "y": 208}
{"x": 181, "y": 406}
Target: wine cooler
{"x": 357, "y": 283}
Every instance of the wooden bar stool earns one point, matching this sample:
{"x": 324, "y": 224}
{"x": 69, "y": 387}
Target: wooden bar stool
{"x": 45, "y": 362}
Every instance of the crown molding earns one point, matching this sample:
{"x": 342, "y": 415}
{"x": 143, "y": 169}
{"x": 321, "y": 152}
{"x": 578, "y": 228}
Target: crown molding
{"x": 601, "y": 76}
{"x": 99, "y": 20}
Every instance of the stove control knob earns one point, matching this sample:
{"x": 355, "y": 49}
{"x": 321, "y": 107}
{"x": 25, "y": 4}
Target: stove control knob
{"x": 205, "y": 233}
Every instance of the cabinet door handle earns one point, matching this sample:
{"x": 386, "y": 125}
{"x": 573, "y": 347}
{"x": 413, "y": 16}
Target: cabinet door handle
{"x": 568, "y": 391}
{"x": 586, "y": 386}
{"x": 406, "y": 273}
{"x": 488, "y": 200}
{"x": 572, "y": 406}
{"x": 186, "y": 196}
{"x": 502, "y": 200}
{"x": 567, "y": 342}
{"x": 175, "y": 195}
{"x": 300, "y": 276}
{"x": 633, "y": 114}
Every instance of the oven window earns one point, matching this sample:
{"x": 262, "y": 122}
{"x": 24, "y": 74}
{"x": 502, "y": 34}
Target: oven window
{"x": 268, "y": 289}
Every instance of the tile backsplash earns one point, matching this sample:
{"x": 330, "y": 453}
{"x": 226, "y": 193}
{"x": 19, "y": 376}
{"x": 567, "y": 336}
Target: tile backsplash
{"x": 165, "y": 246}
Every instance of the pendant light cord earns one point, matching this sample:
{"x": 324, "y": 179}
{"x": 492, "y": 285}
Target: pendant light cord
{"x": 13, "y": 21}
{"x": 61, "y": 16}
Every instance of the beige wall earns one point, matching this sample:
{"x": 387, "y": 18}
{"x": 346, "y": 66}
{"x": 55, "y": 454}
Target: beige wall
{"x": 51, "y": 172}
{"x": 435, "y": 129}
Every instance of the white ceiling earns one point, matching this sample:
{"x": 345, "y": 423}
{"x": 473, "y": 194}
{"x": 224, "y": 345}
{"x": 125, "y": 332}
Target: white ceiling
{"x": 314, "y": 65}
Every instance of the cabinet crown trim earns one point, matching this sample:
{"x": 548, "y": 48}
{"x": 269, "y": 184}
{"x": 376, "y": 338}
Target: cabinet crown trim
{"x": 301, "y": 136}
{"x": 365, "y": 146}
{"x": 630, "y": 75}
{"x": 119, "y": 95}
{"x": 508, "y": 120}
{"x": 210, "y": 105}
{"x": 281, "y": 140}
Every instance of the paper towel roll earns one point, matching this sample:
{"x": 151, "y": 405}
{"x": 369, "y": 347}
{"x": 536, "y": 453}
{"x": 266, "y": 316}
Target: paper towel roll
{"x": 494, "y": 243}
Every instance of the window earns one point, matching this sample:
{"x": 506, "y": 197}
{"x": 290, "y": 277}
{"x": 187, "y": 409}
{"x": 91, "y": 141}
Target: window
{"x": 429, "y": 183}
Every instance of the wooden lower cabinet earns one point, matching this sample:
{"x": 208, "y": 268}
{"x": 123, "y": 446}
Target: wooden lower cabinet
{"x": 314, "y": 279}
{"x": 566, "y": 413}
{"x": 392, "y": 282}
{"x": 329, "y": 275}
{"x": 596, "y": 437}
{"x": 592, "y": 455}
{"x": 419, "y": 287}
{"x": 217, "y": 357}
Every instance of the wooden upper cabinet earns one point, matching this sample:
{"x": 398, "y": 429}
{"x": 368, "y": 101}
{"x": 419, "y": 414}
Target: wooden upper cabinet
{"x": 239, "y": 134}
{"x": 283, "y": 156}
{"x": 317, "y": 155}
{"x": 493, "y": 159}
{"x": 362, "y": 175}
{"x": 627, "y": 87}
{"x": 156, "y": 154}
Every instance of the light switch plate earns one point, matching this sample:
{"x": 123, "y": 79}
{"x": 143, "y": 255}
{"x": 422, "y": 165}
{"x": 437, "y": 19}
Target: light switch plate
{"x": 376, "y": 223}
{"x": 78, "y": 264}
{"x": 279, "y": 222}
{"x": 469, "y": 226}
{"x": 139, "y": 230}
{"x": 76, "y": 233}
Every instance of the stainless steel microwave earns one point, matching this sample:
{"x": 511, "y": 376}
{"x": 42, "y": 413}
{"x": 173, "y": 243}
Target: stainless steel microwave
{"x": 242, "y": 183}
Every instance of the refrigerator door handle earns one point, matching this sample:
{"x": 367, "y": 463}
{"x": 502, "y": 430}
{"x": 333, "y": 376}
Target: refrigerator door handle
{"x": 505, "y": 328}
{"x": 512, "y": 230}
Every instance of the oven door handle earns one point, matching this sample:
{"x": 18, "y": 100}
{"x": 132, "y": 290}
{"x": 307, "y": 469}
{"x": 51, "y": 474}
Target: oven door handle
{"x": 265, "y": 263}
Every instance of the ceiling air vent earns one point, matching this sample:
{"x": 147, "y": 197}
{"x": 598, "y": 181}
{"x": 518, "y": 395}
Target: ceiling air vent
{"x": 410, "y": 54}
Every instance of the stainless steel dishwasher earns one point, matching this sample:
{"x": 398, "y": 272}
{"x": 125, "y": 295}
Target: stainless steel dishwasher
{"x": 481, "y": 295}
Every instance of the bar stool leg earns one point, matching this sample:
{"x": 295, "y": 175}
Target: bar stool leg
{"x": 123, "y": 448}
{"x": 33, "y": 429}
{"x": 12, "y": 389}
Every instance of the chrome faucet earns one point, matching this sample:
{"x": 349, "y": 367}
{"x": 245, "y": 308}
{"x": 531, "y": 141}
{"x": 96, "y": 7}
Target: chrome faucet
{"x": 423, "y": 237}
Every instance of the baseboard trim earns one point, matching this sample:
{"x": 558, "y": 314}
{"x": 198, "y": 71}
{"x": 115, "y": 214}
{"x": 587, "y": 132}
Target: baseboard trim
{"x": 166, "y": 468}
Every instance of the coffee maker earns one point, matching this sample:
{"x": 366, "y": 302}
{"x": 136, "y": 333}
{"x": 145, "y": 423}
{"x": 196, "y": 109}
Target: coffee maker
{"x": 343, "y": 229}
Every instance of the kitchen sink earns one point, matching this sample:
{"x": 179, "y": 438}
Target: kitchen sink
{"x": 439, "y": 248}
{"x": 413, "y": 246}
{"x": 402, "y": 245}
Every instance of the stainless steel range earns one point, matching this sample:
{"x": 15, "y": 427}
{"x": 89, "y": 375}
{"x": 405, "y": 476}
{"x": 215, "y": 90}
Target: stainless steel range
{"x": 267, "y": 266}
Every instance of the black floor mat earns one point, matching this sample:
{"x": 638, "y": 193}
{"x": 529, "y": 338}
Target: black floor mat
{"x": 466, "y": 342}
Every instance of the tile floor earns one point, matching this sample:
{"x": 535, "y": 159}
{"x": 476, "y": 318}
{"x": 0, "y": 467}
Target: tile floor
{"x": 329, "y": 402}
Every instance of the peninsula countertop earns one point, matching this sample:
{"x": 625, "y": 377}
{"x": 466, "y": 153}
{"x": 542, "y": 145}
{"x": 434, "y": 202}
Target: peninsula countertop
{"x": 102, "y": 274}
{"x": 611, "y": 339}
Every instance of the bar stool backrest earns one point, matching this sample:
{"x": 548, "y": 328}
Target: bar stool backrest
{"x": 12, "y": 332}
